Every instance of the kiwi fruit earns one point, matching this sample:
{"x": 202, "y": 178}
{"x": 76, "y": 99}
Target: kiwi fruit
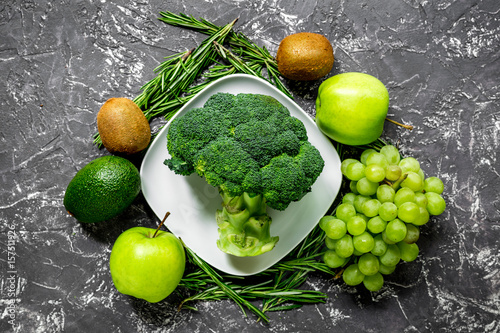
{"x": 123, "y": 128}
{"x": 305, "y": 56}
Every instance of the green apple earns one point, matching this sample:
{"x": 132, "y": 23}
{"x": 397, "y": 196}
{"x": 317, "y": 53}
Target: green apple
{"x": 351, "y": 108}
{"x": 145, "y": 265}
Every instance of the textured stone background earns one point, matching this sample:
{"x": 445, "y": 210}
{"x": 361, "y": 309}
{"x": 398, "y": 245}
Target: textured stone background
{"x": 60, "y": 60}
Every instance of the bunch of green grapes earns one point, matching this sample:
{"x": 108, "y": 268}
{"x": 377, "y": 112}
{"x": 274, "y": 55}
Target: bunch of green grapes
{"x": 378, "y": 223}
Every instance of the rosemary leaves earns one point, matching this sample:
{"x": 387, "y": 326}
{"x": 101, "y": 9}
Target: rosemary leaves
{"x": 174, "y": 84}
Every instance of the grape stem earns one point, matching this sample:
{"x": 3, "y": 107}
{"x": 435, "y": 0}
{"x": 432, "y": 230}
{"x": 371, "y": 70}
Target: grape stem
{"x": 398, "y": 182}
{"x": 408, "y": 127}
{"x": 339, "y": 274}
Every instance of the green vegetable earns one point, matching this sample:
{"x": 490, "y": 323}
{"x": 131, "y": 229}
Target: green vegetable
{"x": 256, "y": 153}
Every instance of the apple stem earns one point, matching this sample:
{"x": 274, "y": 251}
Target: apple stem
{"x": 408, "y": 127}
{"x": 156, "y": 231}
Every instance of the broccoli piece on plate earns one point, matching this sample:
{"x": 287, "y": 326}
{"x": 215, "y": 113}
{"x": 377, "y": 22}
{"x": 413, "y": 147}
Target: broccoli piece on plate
{"x": 255, "y": 153}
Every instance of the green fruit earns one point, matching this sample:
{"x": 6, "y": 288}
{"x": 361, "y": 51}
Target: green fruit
{"x": 351, "y": 108}
{"x": 147, "y": 266}
{"x": 102, "y": 189}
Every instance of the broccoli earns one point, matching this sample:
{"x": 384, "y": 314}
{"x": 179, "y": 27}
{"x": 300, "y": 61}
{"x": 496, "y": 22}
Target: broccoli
{"x": 255, "y": 153}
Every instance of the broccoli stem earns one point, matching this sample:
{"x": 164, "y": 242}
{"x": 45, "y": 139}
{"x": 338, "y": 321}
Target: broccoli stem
{"x": 244, "y": 225}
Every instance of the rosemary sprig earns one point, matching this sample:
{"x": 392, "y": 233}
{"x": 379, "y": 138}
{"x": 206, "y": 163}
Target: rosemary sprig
{"x": 176, "y": 79}
{"x": 245, "y": 49}
{"x": 238, "y": 64}
{"x": 171, "y": 88}
{"x": 278, "y": 287}
{"x": 225, "y": 289}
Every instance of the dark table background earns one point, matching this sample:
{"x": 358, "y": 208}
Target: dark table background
{"x": 60, "y": 60}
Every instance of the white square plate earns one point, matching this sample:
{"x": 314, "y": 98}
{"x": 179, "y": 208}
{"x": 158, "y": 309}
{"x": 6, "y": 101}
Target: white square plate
{"x": 193, "y": 203}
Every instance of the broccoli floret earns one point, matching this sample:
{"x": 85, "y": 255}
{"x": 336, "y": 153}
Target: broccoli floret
{"x": 222, "y": 101}
{"x": 286, "y": 178}
{"x": 310, "y": 161}
{"x": 260, "y": 107}
{"x": 197, "y": 128}
{"x": 263, "y": 140}
{"x": 255, "y": 153}
{"x": 225, "y": 164}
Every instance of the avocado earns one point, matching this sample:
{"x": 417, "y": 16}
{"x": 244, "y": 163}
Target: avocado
{"x": 123, "y": 127}
{"x": 305, "y": 56}
{"x": 102, "y": 189}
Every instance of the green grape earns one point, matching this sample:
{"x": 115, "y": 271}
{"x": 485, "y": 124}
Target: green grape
{"x": 352, "y": 276}
{"x": 435, "y": 203}
{"x": 403, "y": 195}
{"x": 421, "y": 173}
{"x": 379, "y": 246}
{"x": 363, "y": 216}
{"x": 324, "y": 220}
{"x": 391, "y": 154}
{"x": 363, "y": 242}
{"x": 332, "y": 259}
{"x": 349, "y": 198}
{"x": 412, "y": 234}
{"x": 355, "y": 171}
{"x": 373, "y": 282}
{"x": 421, "y": 199}
{"x": 371, "y": 207}
{"x": 352, "y": 186}
{"x": 376, "y": 225}
{"x": 386, "y": 270}
{"x": 335, "y": 229}
{"x": 388, "y": 211}
{"x": 377, "y": 158}
{"x": 356, "y": 225}
{"x": 345, "y": 211}
{"x": 368, "y": 264}
{"x": 393, "y": 172}
{"x": 413, "y": 181}
{"x": 345, "y": 163}
{"x": 366, "y": 187}
{"x": 385, "y": 193}
{"x": 433, "y": 184}
{"x": 408, "y": 212}
{"x": 365, "y": 154}
{"x": 359, "y": 201}
{"x": 409, "y": 164}
{"x": 344, "y": 246}
{"x": 375, "y": 173}
{"x": 409, "y": 252}
{"x": 395, "y": 230}
{"x": 330, "y": 243}
{"x": 386, "y": 239}
{"x": 392, "y": 256}
{"x": 357, "y": 253}
{"x": 423, "y": 217}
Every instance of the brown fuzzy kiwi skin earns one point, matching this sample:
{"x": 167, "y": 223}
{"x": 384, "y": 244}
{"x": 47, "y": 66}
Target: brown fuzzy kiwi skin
{"x": 123, "y": 128}
{"x": 305, "y": 56}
